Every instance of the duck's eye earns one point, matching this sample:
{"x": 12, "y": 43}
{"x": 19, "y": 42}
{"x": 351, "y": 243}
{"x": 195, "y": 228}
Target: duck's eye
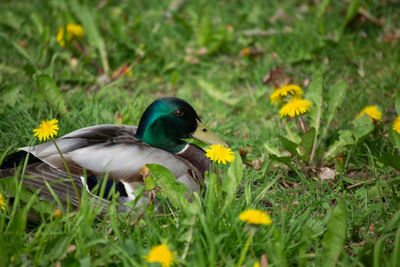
{"x": 178, "y": 113}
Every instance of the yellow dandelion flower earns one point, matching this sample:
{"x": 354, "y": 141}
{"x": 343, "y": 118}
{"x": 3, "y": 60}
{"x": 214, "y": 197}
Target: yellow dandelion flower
{"x": 371, "y": 111}
{"x": 47, "y": 129}
{"x": 396, "y": 125}
{"x": 74, "y": 31}
{"x": 2, "y": 202}
{"x": 57, "y": 213}
{"x": 255, "y": 217}
{"x": 292, "y": 89}
{"x": 161, "y": 254}
{"x": 256, "y": 264}
{"x": 295, "y": 107}
{"x": 220, "y": 154}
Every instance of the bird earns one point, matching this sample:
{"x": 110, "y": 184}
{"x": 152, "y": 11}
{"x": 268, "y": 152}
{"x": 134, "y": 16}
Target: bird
{"x": 117, "y": 154}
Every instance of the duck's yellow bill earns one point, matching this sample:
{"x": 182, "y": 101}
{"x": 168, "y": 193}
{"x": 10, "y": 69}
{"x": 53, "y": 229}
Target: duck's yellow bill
{"x": 205, "y": 135}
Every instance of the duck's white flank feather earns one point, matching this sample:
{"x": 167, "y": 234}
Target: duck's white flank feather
{"x": 124, "y": 159}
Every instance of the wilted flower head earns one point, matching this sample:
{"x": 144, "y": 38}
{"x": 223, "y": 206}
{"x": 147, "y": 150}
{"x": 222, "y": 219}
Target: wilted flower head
{"x": 161, "y": 254}
{"x": 295, "y": 107}
{"x": 291, "y": 89}
{"x": 74, "y": 31}
{"x": 57, "y": 213}
{"x": 220, "y": 153}
{"x": 371, "y": 111}
{"x": 47, "y": 129}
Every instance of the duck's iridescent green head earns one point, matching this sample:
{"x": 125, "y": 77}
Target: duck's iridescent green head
{"x": 169, "y": 120}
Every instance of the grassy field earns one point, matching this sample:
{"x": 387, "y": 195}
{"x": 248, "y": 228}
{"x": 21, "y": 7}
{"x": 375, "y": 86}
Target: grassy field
{"x": 216, "y": 55}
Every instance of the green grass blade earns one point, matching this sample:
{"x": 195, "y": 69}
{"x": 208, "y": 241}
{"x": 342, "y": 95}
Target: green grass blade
{"x": 92, "y": 31}
{"x": 377, "y": 262}
{"x": 396, "y": 250}
{"x": 335, "y": 236}
{"x": 224, "y": 97}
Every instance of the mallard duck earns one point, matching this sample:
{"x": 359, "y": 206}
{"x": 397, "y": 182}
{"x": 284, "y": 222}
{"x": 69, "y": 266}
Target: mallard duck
{"x": 119, "y": 152}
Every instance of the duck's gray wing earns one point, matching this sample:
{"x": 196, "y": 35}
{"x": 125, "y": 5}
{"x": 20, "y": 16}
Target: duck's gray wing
{"x": 39, "y": 176}
{"x": 46, "y": 165}
{"x": 104, "y": 134}
{"x": 83, "y": 145}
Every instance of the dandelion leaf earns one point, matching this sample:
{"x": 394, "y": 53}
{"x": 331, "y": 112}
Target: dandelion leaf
{"x": 363, "y": 126}
{"x": 49, "y": 89}
{"x": 397, "y": 103}
{"x": 171, "y": 189}
{"x": 390, "y": 160}
{"x": 285, "y": 160}
{"x": 307, "y": 142}
{"x": 55, "y": 248}
{"x": 314, "y": 94}
{"x": 16, "y": 227}
{"x": 395, "y": 138}
{"x": 335, "y": 98}
{"x": 10, "y": 96}
{"x": 345, "y": 138}
{"x": 233, "y": 179}
{"x": 289, "y": 146}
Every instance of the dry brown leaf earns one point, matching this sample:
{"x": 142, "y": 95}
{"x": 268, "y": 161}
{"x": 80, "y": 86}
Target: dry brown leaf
{"x": 175, "y": 5}
{"x": 23, "y": 44}
{"x": 120, "y": 72}
{"x": 276, "y": 77}
{"x": 202, "y": 51}
{"x": 367, "y": 16}
{"x": 257, "y": 163}
{"x": 73, "y": 62}
{"x": 372, "y": 227}
{"x": 230, "y": 28}
{"x": 358, "y": 244}
{"x": 306, "y": 82}
{"x": 279, "y": 15}
{"x": 303, "y": 8}
{"x": 263, "y": 260}
{"x": 71, "y": 248}
{"x": 391, "y": 36}
{"x": 259, "y": 32}
{"x": 252, "y": 52}
{"x": 326, "y": 173}
{"x": 323, "y": 173}
{"x": 192, "y": 59}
